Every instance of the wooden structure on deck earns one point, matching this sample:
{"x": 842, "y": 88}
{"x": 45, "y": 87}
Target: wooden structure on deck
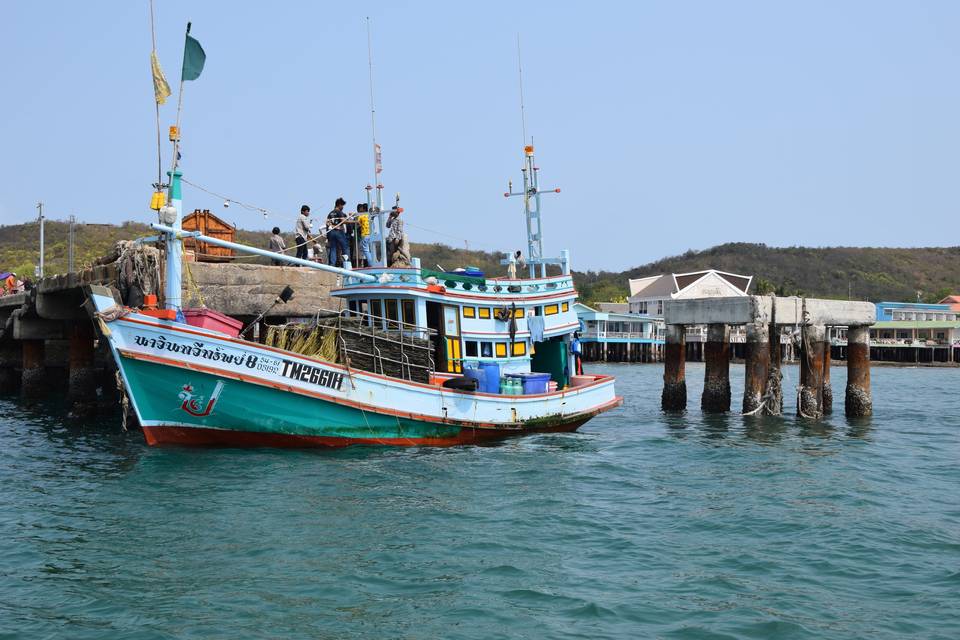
{"x": 209, "y": 225}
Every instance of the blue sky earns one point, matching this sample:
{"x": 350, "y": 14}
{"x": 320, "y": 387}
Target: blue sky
{"x": 668, "y": 125}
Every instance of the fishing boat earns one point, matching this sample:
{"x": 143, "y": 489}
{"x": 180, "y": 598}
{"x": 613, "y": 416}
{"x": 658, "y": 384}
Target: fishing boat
{"x": 425, "y": 335}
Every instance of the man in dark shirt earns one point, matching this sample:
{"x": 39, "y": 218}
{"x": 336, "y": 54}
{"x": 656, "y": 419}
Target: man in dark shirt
{"x": 337, "y": 245}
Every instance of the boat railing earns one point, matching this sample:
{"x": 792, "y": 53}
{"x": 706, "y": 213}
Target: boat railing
{"x": 393, "y": 345}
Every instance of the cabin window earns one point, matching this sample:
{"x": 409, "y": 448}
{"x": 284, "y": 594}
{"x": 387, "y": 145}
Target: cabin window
{"x": 551, "y": 310}
{"x": 393, "y": 312}
{"x": 486, "y": 349}
{"x": 518, "y": 313}
{"x": 519, "y": 348}
{"x": 469, "y": 312}
{"x": 501, "y": 349}
{"x": 409, "y": 313}
{"x": 352, "y": 305}
{"x": 376, "y": 310}
{"x": 470, "y": 348}
{"x": 483, "y": 312}
{"x": 565, "y": 306}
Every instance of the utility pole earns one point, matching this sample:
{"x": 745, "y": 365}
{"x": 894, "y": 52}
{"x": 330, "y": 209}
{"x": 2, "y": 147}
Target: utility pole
{"x": 40, "y": 220}
{"x": 70, "y": 242}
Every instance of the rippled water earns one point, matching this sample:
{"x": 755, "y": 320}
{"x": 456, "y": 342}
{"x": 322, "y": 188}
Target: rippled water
{"x": 638, "y": 526}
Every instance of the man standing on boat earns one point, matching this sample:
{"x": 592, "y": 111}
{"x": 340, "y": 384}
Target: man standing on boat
{"x": 397, "y": 252}
{"x": 277, "y": 245}
{"x": 302, "y": 231}
{"x": 337, "y": 244}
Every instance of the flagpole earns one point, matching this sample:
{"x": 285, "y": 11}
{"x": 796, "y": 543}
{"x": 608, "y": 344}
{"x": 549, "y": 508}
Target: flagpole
{"x": 153, "y": 40}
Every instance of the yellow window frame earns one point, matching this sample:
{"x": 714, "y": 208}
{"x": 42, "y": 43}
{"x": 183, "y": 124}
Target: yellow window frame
{"x": 469, "y": 312}
{"x": 483, "y": 312}
{"x": 519, "y": 348}
{"x": 518, "y": 313}
{"x": 565, "y": 306}
{"x": 551, "y": 310}
{"x": 500, "y": 349}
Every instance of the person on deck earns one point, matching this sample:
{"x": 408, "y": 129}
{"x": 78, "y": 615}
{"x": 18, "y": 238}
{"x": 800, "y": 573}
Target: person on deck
{"x": 337, "y": 245}
{"x": 363, "y": 231}
{"x": 398, "y": 252}
{"x": 302, "y": 231}
{"x": 277, "y": 245}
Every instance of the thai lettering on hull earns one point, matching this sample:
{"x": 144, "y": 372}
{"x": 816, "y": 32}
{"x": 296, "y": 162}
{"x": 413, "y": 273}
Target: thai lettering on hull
{"x": 313, "y": 375}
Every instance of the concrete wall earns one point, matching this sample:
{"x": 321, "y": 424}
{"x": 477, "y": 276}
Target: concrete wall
{"x": 246, "y": 289}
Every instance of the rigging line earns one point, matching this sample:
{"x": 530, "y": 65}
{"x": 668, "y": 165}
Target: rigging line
{"x": 245, "y": 205}
{"x": 153, "y": 40}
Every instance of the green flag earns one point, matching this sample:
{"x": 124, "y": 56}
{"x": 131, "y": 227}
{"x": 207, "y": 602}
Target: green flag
{"x": 193, "y": 58}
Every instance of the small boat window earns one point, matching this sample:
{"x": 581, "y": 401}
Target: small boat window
{"x": 551, "y": 310}
{"x": 518, "y": 313}
{"x": 470, "y": 348}
{"x": 538, "y": 311}
{"x": 409, "y": 313}
{"x": 393, "y": 313}
{"x": 352, "y": 305}
{"x": 565, "y": 306}
{"x": 469, "y": 312}
{"x": 486, "y": 349}
{"x": 483, "y": 312}
{"x": 376, "y": 310}
{"x": 519, "y": 348}
{"x": 501, "y": 349}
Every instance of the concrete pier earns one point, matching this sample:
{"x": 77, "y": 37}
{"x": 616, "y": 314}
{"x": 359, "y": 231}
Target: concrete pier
{"x": 858, "y": 400}
{"x": 764, "y": 317}
{"x": 811, "y": 371}
{"x": 716, "y": 379}
{"x": 82, "y": 374}
{"x": 757, "y": 365}
{"x": 10, "y": 359}
{"x": 32, "y": 371}
{"x": 674, "y": 397}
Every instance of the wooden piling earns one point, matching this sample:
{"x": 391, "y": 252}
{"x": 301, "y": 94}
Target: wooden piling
{"x": 827, "y": 396}
{"x": 716, "y": 380}
{"x": 811, "y": 371}
{"x": 774, "y": 390}
{"x": 32, "y": 373}
{"x": 858, "y": 399}
{"x": 757, "y": 366}
{"x": 674, "y": 396}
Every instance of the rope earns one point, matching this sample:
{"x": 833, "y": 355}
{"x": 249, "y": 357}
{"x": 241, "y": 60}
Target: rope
{"x": 192, "y": 283}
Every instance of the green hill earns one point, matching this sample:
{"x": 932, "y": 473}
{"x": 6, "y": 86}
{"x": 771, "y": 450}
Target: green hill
{"x": 862, "y": 273}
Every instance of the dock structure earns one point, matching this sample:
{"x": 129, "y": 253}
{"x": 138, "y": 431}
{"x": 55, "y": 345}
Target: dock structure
{"x": 46, "y": 335}
{"x": 764, "y": 318}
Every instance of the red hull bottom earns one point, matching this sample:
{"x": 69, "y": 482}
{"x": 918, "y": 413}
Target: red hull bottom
{"x": 202, "y": 437}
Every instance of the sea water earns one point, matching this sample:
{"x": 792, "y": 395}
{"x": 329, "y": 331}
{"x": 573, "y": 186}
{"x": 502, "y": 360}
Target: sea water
{"x": 639, "y": 526}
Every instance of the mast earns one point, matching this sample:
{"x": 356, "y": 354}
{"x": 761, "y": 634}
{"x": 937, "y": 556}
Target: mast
{"x": 531, "y": 210}
{"x": 377, "y": 162}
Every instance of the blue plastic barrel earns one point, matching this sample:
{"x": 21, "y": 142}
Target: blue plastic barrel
{"x": 490, "y": 382}
{"x": 472, "y": 370}
{"x": 533, "y": 382}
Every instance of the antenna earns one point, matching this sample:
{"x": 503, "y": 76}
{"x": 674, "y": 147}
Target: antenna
{"x": 523, "y": 117}
{"x": 377, "y": 158}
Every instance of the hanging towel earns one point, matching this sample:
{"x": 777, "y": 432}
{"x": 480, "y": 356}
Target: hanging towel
{"x": 535, "y": 325}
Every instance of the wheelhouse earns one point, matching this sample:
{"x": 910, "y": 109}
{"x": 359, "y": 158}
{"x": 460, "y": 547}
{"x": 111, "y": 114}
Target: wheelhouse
{"x": 523, "y": 325}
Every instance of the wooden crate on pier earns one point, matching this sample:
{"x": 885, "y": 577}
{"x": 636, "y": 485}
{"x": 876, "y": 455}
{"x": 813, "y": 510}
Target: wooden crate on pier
{"x": 209, "y": 225}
